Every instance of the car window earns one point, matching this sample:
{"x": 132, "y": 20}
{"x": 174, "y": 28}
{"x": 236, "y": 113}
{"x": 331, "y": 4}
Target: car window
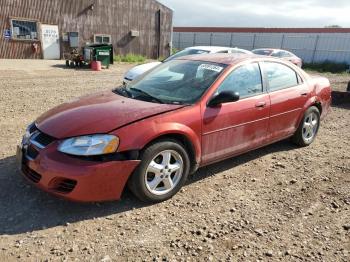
{"x": 277, "y": 54}
{"x": 262, "y": 52}
{"x": 167, "y": 75}
{"x": 287, "y": 54}
{"x": 279, "y": 76}
{"x": 185, "y": 53}
{"x": 282, "y": 54}
{"x": 237, "y": 51}
{"x": 175, "y": 82}
{"x": 246, "y": 80}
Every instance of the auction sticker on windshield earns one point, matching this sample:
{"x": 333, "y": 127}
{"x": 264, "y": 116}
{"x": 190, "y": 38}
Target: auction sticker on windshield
{"x": 215, "y": 68}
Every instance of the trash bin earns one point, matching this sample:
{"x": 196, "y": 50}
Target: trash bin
{"x": 99, "y": 52}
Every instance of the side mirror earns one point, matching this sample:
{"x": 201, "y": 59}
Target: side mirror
{"x": 223, "y": 97}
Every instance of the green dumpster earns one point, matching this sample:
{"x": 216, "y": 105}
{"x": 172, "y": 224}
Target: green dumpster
{"x": 99, "y": 52}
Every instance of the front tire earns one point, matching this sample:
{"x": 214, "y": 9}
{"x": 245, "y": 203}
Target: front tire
{"x": 308, "y": 128}
{"x": 163, "y": 170}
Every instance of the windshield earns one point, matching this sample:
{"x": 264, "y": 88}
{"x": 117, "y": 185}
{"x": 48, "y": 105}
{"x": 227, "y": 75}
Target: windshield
{"x": 262, "y": 52}
{"x": 175, "y": 82}
{"x": 186, "y": 52}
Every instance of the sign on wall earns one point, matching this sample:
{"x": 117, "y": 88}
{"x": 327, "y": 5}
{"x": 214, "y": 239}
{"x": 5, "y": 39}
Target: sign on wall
{"x": 7, "y": 34}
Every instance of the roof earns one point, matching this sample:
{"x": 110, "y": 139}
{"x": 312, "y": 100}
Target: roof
{"x": 259, "y": 30}
{"x": 272, "y": 50}
{"x": 227, "y": 59}
{"x": 268, "y": 49}
{"x": 210, "y": 48}
{"x": 160, "y": 3}
{"x": 215, "y": 49}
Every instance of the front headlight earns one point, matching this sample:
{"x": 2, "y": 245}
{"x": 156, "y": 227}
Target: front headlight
{"x": 92, "y": 145}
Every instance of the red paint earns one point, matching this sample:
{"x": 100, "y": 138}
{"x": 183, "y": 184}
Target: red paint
{"x": 96, "y": 114}
{"x": 214, "y": 133}
{"x": 225, "y": 135}
{"x": 95, "y": 181}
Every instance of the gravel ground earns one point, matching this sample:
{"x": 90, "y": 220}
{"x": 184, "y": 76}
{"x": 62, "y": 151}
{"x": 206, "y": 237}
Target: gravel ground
{"x": 279, "y": 203}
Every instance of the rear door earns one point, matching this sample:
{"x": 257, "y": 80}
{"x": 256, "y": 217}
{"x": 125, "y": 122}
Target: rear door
{"x": 236, "y": 127}
{"x": 288, "y": 95}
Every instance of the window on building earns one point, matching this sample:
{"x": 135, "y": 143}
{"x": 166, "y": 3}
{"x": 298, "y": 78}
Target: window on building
{"x": 102, "y": 39}
{"x": 24, "y": 29}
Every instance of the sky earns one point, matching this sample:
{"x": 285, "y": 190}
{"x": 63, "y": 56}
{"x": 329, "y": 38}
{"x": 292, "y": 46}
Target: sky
{"x": 260, "y": 13}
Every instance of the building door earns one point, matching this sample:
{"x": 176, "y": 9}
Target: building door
{"x": 50, "y": 42}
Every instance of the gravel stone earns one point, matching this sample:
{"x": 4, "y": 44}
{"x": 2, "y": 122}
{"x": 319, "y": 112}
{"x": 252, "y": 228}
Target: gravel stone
{"x": 243, "y": 206}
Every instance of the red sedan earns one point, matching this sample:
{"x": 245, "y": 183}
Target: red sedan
{"x": 283, "y": 54}
{"x": 184, "y": 114}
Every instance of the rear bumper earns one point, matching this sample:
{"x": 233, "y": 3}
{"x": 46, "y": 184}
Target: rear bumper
{"x": 75, "y": 179}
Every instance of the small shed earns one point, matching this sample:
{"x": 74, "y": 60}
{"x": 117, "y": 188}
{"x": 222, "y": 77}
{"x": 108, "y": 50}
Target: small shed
{"x": 49, "y": 29}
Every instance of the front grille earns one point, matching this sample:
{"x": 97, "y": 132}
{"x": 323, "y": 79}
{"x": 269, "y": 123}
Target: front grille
{"x": 31, "y": 174}
{"x": 32, "y": 128}
{"x": 63, "y": 185}
{"x": 41, "y": 140}
{"x": 31, "y": 152}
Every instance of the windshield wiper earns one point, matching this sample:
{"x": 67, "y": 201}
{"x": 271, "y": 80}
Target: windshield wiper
{"x": 146, "y": 94}
{"x": 122, "y": 91}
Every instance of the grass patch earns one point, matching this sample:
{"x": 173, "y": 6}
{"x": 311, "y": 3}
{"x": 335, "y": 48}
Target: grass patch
{"x": 174, "y": 50}
{"x": 130, "y": 58}
{"x": 327, "y": 66}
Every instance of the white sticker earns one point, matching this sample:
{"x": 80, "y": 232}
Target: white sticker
{"x": 211, "y": 67}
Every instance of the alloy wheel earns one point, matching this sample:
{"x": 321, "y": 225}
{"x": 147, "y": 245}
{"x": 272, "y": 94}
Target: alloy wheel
{"x": 164, "y": 172}
{"x": 310, "y": 126}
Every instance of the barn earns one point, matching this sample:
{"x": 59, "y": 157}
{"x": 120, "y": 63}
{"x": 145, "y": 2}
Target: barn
{"x": 49, "y": 29}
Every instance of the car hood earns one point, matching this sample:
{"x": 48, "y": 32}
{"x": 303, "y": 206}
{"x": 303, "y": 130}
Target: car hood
{"x": 96, "y": 114}
{"x": 139, "y": 70}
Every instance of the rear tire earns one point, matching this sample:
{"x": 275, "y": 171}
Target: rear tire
{"x": 163, "y": 170}
{"x": 308, "y": 127}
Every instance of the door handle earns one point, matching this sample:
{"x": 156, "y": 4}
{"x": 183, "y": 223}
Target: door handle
{"x": 260, "y": 104}
{"x": 304, "y": 94}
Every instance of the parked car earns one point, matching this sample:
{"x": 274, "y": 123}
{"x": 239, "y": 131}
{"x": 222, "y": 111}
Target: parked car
{"x": 186, "y": 113}
{"x": 195, "y": 50}
{"x": 283, "y": 54}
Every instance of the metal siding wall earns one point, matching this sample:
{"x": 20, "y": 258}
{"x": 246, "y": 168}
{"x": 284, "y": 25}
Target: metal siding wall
{"x": 220, "y": 39}
{"x": 202, "y": 39}
{"x": 272, "y": 40}
{"x": 312, "y": 47}
{"x": 113, "y": 17}
{"x": 243, "y": 40}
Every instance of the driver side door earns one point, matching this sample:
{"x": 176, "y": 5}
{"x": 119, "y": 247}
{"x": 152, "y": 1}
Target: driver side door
{"x": 234, "y": 128}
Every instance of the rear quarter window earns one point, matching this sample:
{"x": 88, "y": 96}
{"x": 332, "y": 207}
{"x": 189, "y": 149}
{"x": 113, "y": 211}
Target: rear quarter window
{"x": 279, "y": 76}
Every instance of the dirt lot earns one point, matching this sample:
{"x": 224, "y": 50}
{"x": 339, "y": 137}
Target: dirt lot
{"x": 279, "y": 203}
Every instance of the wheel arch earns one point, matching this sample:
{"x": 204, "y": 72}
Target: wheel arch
{"x": 318, "y": 105}
{"x": 313, "y": 101}
{"x": 185, "y": 141}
